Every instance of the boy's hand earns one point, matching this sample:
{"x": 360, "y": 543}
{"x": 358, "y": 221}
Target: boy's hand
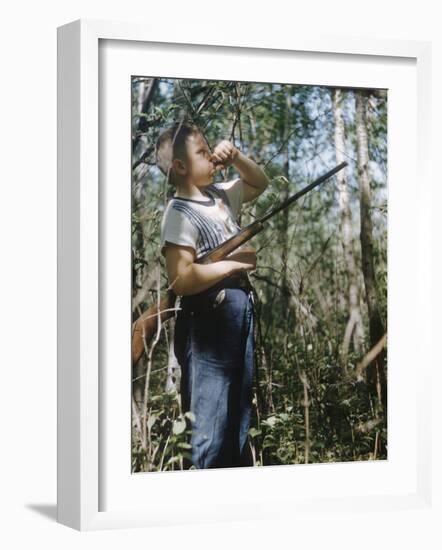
{"x": 245, "y": 258}
{"x": 224, "y": 154}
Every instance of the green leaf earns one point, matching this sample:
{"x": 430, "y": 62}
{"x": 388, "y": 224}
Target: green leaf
{"x": 271, "y": 421}
{"x": 173, "y": 460}
{"x": 190, "y": 416}
{"x": 151, "y": 421}
{"x": 179, "y": 426}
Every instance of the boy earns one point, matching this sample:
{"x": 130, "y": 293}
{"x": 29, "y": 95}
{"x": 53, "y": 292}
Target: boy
{"x": 214, "y": 327}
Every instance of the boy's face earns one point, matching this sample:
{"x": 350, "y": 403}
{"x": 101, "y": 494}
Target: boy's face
{"x": 200, "y": 169}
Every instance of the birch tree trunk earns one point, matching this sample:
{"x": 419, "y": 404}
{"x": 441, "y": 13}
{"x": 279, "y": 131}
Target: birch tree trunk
{"x": 354, "y": 329}
{"x": 285, "y": 214}
{"x": 376, "y": 374}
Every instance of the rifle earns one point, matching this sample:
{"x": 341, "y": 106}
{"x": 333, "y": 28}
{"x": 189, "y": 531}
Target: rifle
{"x": 146, "y": 325}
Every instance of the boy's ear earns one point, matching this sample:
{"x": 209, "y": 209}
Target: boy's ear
{"x": 179, "y": 167}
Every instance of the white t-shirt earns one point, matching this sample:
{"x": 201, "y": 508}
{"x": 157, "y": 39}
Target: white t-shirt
{"x": 205, "y": 224}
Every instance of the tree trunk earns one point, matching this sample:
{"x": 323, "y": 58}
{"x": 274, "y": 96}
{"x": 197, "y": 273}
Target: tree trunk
{"x": 285, "y": 214}
{"x": 146, "y": 97}
{"x": 376, "y": 374}
{"x": 354, "y": 330}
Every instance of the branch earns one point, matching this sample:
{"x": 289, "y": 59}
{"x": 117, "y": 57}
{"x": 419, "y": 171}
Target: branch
{"x": 371, "y": 355}
{"x": 143, "y": 123}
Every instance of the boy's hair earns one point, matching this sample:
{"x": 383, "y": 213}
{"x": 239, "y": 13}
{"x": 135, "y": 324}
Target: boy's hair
{"x": 171, "y": 144}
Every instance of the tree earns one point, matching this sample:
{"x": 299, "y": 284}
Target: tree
{"x": 376, "y": 372}
{"x": 354, "y": 329}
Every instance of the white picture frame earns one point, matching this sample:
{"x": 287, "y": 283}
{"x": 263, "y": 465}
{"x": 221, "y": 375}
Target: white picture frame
{"x": 79, "y": 276}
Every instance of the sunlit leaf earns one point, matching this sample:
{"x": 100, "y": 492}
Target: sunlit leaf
{"x": 179, "y": 426}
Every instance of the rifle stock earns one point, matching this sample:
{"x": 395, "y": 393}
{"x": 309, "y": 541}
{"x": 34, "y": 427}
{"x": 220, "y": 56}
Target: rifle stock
{"x": 144, "y": 328}
{"x": 229, "y": 246}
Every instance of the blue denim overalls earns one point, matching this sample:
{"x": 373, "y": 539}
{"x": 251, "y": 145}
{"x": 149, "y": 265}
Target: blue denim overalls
{"x": 214, "y": 345}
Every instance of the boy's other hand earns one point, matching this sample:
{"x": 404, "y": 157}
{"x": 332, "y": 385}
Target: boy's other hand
{"x": 245, "y": 258}
{"x": 224, "y": 154}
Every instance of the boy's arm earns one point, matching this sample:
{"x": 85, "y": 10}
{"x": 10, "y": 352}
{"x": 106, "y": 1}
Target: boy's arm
{"x": 187, "y": 277}
{"x": 253, "y": 177}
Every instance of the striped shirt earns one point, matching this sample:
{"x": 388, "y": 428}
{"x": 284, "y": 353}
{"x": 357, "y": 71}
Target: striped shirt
{"x": 203, "y": 225}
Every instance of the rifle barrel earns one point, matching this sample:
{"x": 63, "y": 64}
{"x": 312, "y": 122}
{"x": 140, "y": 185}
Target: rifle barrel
{"x": 303, "y": 191}
{"x": 245, "y": 234}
